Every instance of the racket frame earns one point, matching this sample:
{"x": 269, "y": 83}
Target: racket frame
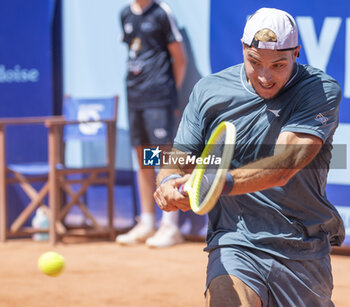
{"x": 192, "y": 186}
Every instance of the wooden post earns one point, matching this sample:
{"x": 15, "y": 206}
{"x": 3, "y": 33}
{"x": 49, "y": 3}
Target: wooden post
{"x": 53, "y": 189}
{"x": 3, "y": 212}
{"x": 111, "y": 144}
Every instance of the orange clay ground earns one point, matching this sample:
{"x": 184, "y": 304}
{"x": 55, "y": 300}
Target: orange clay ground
{"x": 101, "y": 274}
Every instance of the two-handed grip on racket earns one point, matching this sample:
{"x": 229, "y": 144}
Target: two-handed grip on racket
{"x": 228, "y": 186}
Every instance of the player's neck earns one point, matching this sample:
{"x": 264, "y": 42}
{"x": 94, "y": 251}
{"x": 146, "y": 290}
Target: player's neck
{"x": 139, "y": 5}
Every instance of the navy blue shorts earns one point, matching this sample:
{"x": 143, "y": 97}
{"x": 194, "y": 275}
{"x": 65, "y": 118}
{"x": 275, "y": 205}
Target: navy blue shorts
{"x": 277, "y": 281}
{"x": 153, "y": 126}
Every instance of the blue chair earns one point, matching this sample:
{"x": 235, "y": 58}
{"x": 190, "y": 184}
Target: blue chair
{"x": 93, "y": 153}
{"x": 32, "y": 178}
{"x": 87, "y": 120}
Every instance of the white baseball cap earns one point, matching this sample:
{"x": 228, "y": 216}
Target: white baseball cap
{"x": 280, "y": 22}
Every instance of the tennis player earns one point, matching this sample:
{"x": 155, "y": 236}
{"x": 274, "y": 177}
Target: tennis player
{"x": 269, "y": 239}
{"x": 156, "y": 69}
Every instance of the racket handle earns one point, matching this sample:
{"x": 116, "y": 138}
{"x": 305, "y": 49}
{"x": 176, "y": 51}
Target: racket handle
{"x": 181, "y": 189}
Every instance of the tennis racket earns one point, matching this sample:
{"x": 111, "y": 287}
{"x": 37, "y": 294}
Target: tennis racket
{"x": 207, "y": 180}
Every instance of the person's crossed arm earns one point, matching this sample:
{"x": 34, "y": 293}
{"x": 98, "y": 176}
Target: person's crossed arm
{"x": 293, "y": 152}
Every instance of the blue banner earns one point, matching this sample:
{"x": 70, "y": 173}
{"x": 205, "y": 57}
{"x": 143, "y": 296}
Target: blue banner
{"x": 25, "y": 83}
{"x": 25, "y": 73}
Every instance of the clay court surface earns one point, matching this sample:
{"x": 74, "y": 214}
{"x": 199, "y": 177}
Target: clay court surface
{"x": 104, "y": 274}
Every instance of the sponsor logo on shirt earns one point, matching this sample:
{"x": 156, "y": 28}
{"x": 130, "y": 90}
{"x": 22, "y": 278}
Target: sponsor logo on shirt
{"x": 135, "y": 47}
{"x": 321, "y": 118}
{"x": 135, "y": 66}
{"x": 160, "y": 133}
{"x": 147, "y": 26}
{"x": 275, "y": 112}
{"x": 128, "y": 28}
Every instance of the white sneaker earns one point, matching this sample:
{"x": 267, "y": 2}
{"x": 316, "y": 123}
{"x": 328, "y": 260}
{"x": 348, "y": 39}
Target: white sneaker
{"x": 139, "y": 234}
{"x": 167, "y": 235}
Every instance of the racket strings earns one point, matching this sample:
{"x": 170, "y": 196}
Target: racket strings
{"x": 210, "y": 171}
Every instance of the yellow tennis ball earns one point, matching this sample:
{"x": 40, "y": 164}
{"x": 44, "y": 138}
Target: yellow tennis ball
{"x": 51, "y": 263}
